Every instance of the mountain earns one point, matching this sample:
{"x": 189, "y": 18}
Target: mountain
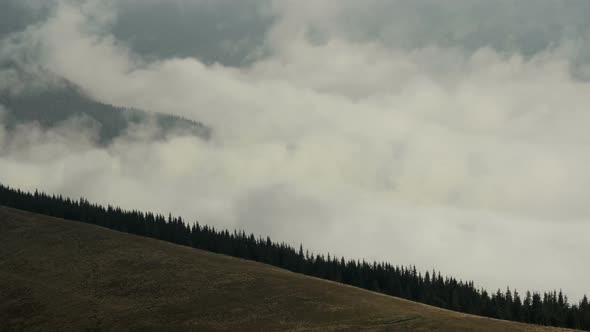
{"x": 63, "y": 275}
{"x": 51, "y": 107}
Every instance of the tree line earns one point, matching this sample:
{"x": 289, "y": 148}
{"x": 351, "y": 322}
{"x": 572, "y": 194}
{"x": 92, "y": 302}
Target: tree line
{"x": 430, "y": 287}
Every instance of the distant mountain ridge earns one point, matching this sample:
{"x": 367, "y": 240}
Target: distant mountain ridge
{"x": 51, "y": 107}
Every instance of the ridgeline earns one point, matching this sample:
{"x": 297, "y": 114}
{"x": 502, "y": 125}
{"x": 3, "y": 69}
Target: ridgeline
{"x": 551, "y": 308}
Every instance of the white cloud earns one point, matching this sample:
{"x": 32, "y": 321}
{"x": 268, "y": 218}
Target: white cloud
{"x": 470, "y": 162}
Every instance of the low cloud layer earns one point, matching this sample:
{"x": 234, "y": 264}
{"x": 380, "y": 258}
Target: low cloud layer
{"x": 467, "y": 159}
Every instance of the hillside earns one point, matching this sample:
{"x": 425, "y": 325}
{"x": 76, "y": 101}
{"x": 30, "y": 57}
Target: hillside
{"x": 50, "y": 108}
{"x": 57, "y": 275}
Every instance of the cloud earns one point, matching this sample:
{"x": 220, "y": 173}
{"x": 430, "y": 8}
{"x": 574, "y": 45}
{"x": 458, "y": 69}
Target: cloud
{"x": 468, "y": 160}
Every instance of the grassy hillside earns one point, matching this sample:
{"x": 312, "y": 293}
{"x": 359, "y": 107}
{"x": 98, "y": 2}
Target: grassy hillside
{"x": 62, "y": 275}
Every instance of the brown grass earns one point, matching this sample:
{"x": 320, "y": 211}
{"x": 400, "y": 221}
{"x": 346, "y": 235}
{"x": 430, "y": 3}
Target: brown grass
{"x": 62, "y": 275}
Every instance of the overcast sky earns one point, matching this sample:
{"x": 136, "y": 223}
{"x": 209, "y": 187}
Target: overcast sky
{"x": 450, "y": 135}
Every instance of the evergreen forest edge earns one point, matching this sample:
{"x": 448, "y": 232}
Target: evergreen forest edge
{"x": 550, "y": 308}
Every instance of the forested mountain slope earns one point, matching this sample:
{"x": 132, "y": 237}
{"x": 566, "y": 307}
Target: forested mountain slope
{"x": 51, "y": 107}
{"x": 62, "y": 275}
{"x": 550, "y": 308}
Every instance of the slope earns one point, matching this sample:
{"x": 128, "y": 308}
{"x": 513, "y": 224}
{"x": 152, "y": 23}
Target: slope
{"x": 63, "y": 275}
{"x": 52, "y": 107}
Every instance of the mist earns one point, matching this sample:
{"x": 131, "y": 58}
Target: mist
{"x": 360, "y": 139}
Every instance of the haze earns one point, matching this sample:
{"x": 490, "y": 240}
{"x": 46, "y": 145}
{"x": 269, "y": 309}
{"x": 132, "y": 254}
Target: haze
{"x": 450, "y": 136}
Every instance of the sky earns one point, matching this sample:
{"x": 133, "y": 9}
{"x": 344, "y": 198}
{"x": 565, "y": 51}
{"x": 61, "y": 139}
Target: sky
{"x": 449, "y": 135}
